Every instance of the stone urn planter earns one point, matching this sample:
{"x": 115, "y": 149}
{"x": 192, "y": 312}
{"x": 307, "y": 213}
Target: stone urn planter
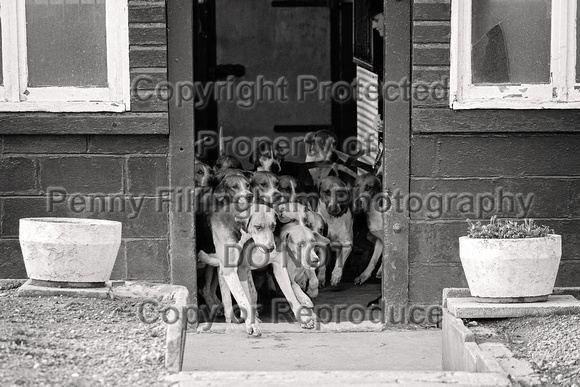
{"x": 69, "y": 252}
{"x": 511, "y": 268}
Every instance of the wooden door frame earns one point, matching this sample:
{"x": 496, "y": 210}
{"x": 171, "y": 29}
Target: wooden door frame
{"x": 397, "y": 129}
{"x": 181, "y": 155}
{"x": 397, "y": 141}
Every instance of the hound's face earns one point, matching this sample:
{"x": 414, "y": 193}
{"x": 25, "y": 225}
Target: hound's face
{"x": 226, "y": 162}
{"x": 320, "y": 145}
{"x": 335, "y": 195}
{"x": 203, "y": 174}
{"x": 289, "y": 187}
{"x": 366, "y": 187}
{"x": 294, "y": 213}
{"x": 259, "y": 221}
{"x": 303, "y": 244}
{"x": 234, "y": 189}
{"x": 268, "y": 158}
{"x": 316, "y": 223}
{"x": 265, "y": 186}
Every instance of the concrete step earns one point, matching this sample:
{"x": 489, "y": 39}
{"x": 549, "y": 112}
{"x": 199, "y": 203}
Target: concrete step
{"x": 334, "y": 378}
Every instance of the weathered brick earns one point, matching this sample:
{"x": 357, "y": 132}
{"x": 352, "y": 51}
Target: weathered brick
{"x": 147, "y": 34}
{"x": 568, "y": 273}
{"x": 143, "y": 222}
{"x": 83, "y": 174}
{"x": 423, "y": 156}
{"x": 147, "y": 260}
{"x": 147, "y": 13}
{"x": 426, "y": 282}
{"x": 435, "y": 242}
{"x": 437, "y": 10}
{"x": 481, "y": 198}
{"x": 17, "y": 175}
{"x": 45, "y": 144}
{"x": 446, "y": 199}
{"x": 15, "y": 209}
{"x": 146, "y": 175}
{"x": 574, "y": 197}
{"x": 148, "y": 56}
{"x": 129, "y": 144}
{"x": 549, "y": 198}
{"x": 11, "y": 261}
{"x": 510, "y": 155}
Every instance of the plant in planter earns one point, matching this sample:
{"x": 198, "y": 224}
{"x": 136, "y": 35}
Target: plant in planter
{"x": 510, "y": 261}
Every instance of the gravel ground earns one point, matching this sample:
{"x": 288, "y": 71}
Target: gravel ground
{"x": 551, "y": 344}
{"x": 63, "y": 341}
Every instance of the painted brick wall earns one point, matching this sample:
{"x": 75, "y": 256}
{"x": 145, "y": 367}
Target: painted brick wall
{"x": 531, "y": 153}
{"x": 123, "y": 167}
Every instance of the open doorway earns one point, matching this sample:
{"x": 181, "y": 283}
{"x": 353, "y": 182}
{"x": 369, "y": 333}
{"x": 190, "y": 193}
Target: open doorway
{"x": 280, "y": 69}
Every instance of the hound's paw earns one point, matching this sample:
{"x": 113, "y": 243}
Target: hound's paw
{"x": 336, "y": 277}
{"x": 253, "y": 330}
{"x": 362, "y": 278}
{"x": 312, "y": 292}
{"x": 311, "y": 323}
{"x": 321, "y": 283}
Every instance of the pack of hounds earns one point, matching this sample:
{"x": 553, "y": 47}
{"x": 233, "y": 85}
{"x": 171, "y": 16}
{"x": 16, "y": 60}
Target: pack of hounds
{"x": 287, "y": 217}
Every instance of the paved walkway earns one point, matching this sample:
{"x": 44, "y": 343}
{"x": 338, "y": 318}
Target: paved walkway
{"x": 402, "y": 350}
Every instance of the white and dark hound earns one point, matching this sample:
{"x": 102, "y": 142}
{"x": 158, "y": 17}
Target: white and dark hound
{"x": 334, "y": 206}
{"x": 366, "y": 189}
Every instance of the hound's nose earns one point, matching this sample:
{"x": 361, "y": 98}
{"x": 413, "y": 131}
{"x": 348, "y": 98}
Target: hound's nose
{"x": 333, "y": 209}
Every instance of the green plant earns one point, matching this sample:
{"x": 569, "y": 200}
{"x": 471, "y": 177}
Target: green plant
{"x": 507, "y": 229}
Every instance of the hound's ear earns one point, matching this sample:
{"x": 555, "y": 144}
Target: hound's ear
{"x": 249, "y": 174}
{"x": 243, "y": 219}
{"x": 220, "y": 191}
{"x": 320, "y": 239}
{"x": 324, "y": 228}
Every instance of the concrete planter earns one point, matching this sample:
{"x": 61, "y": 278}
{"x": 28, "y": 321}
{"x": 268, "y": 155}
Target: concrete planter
{"x": 511, "y": 270}
{"x": 69, "y": 251}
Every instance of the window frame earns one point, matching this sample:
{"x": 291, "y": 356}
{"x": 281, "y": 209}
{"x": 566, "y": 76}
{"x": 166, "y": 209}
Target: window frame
{"x": 560, "y": 93}
{"x": 16, "y": 96}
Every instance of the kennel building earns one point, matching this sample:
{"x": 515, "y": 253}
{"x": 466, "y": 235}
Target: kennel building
{"x": 482, "y": 130}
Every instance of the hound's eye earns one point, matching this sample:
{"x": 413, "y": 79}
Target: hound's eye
{"x": 285, "y": 189}
{"x": 294, "y": 221}
{"x": 258, "y": 228}
{"x": 200, "y": 172}
{"x": 304, "y": 220}
{"x": 308, "y": 224}
{"x": 301, "y": 244}
{"x": 262, "y": 184}
{"x": 273, "y": 226}
{"x": 235, "y": 186}
{"x": 327, "y": 192}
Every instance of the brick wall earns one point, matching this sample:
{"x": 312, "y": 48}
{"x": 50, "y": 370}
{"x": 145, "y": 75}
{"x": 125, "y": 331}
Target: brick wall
{"x": 120, "y": 166}
{"x": 500, "y": 152}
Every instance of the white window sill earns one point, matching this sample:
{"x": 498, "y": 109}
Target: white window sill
{"x": 64, "y": 107}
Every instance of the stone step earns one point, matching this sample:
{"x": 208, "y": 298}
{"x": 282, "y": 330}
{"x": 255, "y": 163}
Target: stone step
{"x": 333, "y": 378}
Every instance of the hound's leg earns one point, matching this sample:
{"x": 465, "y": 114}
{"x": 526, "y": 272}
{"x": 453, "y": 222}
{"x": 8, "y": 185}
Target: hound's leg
{"x": 312, "y": 290}
{"x": 283, "y": 278}
{"x": 245, "y": 275}
{"x": 377, "y": 253}
{"x": 337, "y": 272}
{"x": 227, "y": 299}
{"x": 231, "y": 277}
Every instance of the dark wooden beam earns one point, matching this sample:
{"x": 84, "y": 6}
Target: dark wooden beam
{"x": 181, "y": 146}
{"x": 397, "y": 130}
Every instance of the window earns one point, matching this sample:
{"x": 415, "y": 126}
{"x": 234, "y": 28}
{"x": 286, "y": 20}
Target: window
{"x": 64, "y": 55}
{"x": 518, "y": 54}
